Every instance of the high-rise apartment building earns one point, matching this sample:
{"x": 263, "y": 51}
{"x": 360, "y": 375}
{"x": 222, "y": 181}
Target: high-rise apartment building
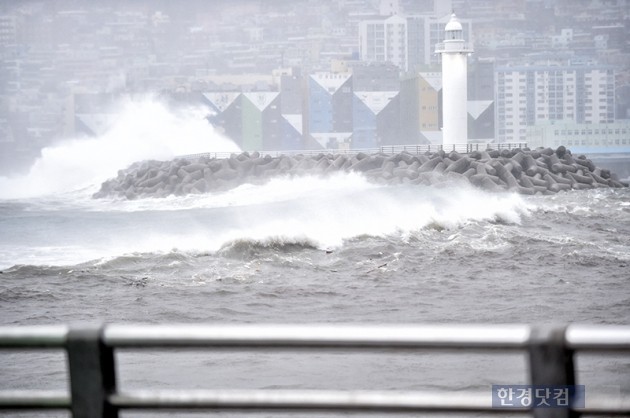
{"x": 8, "y": 30}
{"x": 384, "y": 39}
{"x": 526, "y": 96}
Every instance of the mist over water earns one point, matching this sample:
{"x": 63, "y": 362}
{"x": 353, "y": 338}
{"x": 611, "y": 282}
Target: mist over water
{"x": 138, "y": 129}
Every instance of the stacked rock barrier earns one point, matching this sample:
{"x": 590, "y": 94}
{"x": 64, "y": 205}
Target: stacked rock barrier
{"x": 540, "y": 171}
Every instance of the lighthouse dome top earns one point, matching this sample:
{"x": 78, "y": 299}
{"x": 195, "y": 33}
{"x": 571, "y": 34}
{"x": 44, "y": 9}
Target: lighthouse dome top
{"x": 453, "y": 24}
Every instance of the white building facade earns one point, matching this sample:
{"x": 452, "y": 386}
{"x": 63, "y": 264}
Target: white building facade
{"x": 582, "y": 138}
{"x": 528, "y": 96}
{"x": 384, "y": 40}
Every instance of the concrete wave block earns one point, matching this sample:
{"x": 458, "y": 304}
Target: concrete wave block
{"x": 430, "y": 165}
{"x": 460, "y": 165}
{"x": 524, "y": 171}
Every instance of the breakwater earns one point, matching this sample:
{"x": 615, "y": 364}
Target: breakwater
{"x": 543, "y": 171}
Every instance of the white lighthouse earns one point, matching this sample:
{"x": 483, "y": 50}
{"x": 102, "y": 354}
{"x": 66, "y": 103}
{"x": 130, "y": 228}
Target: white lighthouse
{"x": 454, "y": 52}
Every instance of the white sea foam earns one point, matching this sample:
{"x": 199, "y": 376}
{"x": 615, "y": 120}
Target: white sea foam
{"x": 320, "y": 211}
{"x": 140, "y": 129}
{"x": 311, "y": 211}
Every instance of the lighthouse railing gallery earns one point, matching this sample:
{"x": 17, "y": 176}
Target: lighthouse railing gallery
{"x": 463, "y": 47}
{"x": 92, "y": 366}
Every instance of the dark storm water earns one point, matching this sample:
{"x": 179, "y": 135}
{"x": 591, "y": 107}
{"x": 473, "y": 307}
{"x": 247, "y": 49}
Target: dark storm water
{"x": 317, "y": 251}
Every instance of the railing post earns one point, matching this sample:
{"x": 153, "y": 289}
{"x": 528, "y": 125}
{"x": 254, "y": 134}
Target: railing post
{"x": 92, "y": 374}
{"x": 551, "y": 363}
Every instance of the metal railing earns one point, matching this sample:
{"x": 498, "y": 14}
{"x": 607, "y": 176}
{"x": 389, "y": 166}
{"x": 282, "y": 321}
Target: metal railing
{"x": 385, "y": 149}
{"x": 94, "y": 394}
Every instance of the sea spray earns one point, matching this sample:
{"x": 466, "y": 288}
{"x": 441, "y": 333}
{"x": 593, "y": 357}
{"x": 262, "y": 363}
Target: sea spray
{"x": 139, "y": 129}
{"x": 310, "y": 211}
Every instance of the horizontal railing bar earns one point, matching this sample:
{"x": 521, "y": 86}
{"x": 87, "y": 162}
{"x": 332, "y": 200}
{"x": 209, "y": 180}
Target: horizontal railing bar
{"x": 363, "y": 400}
{"x": 390, "y": 401}
{"x": 46, "y": 336}
{"x": 33, "y": 399}
{"x": 598, "y": 337}
{"x": 604, "y": 405}
{"x": 578, "y": 337}
{"x": 308, "y": 400}
{"x": 318, "y": 336}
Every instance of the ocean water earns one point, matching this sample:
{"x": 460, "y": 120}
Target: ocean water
{"x": 302, "y": 250}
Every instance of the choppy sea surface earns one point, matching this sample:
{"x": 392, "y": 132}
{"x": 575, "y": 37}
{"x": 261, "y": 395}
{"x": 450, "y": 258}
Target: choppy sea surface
{"x": 301, "y": 251}
{"x": 316, "y": 250}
